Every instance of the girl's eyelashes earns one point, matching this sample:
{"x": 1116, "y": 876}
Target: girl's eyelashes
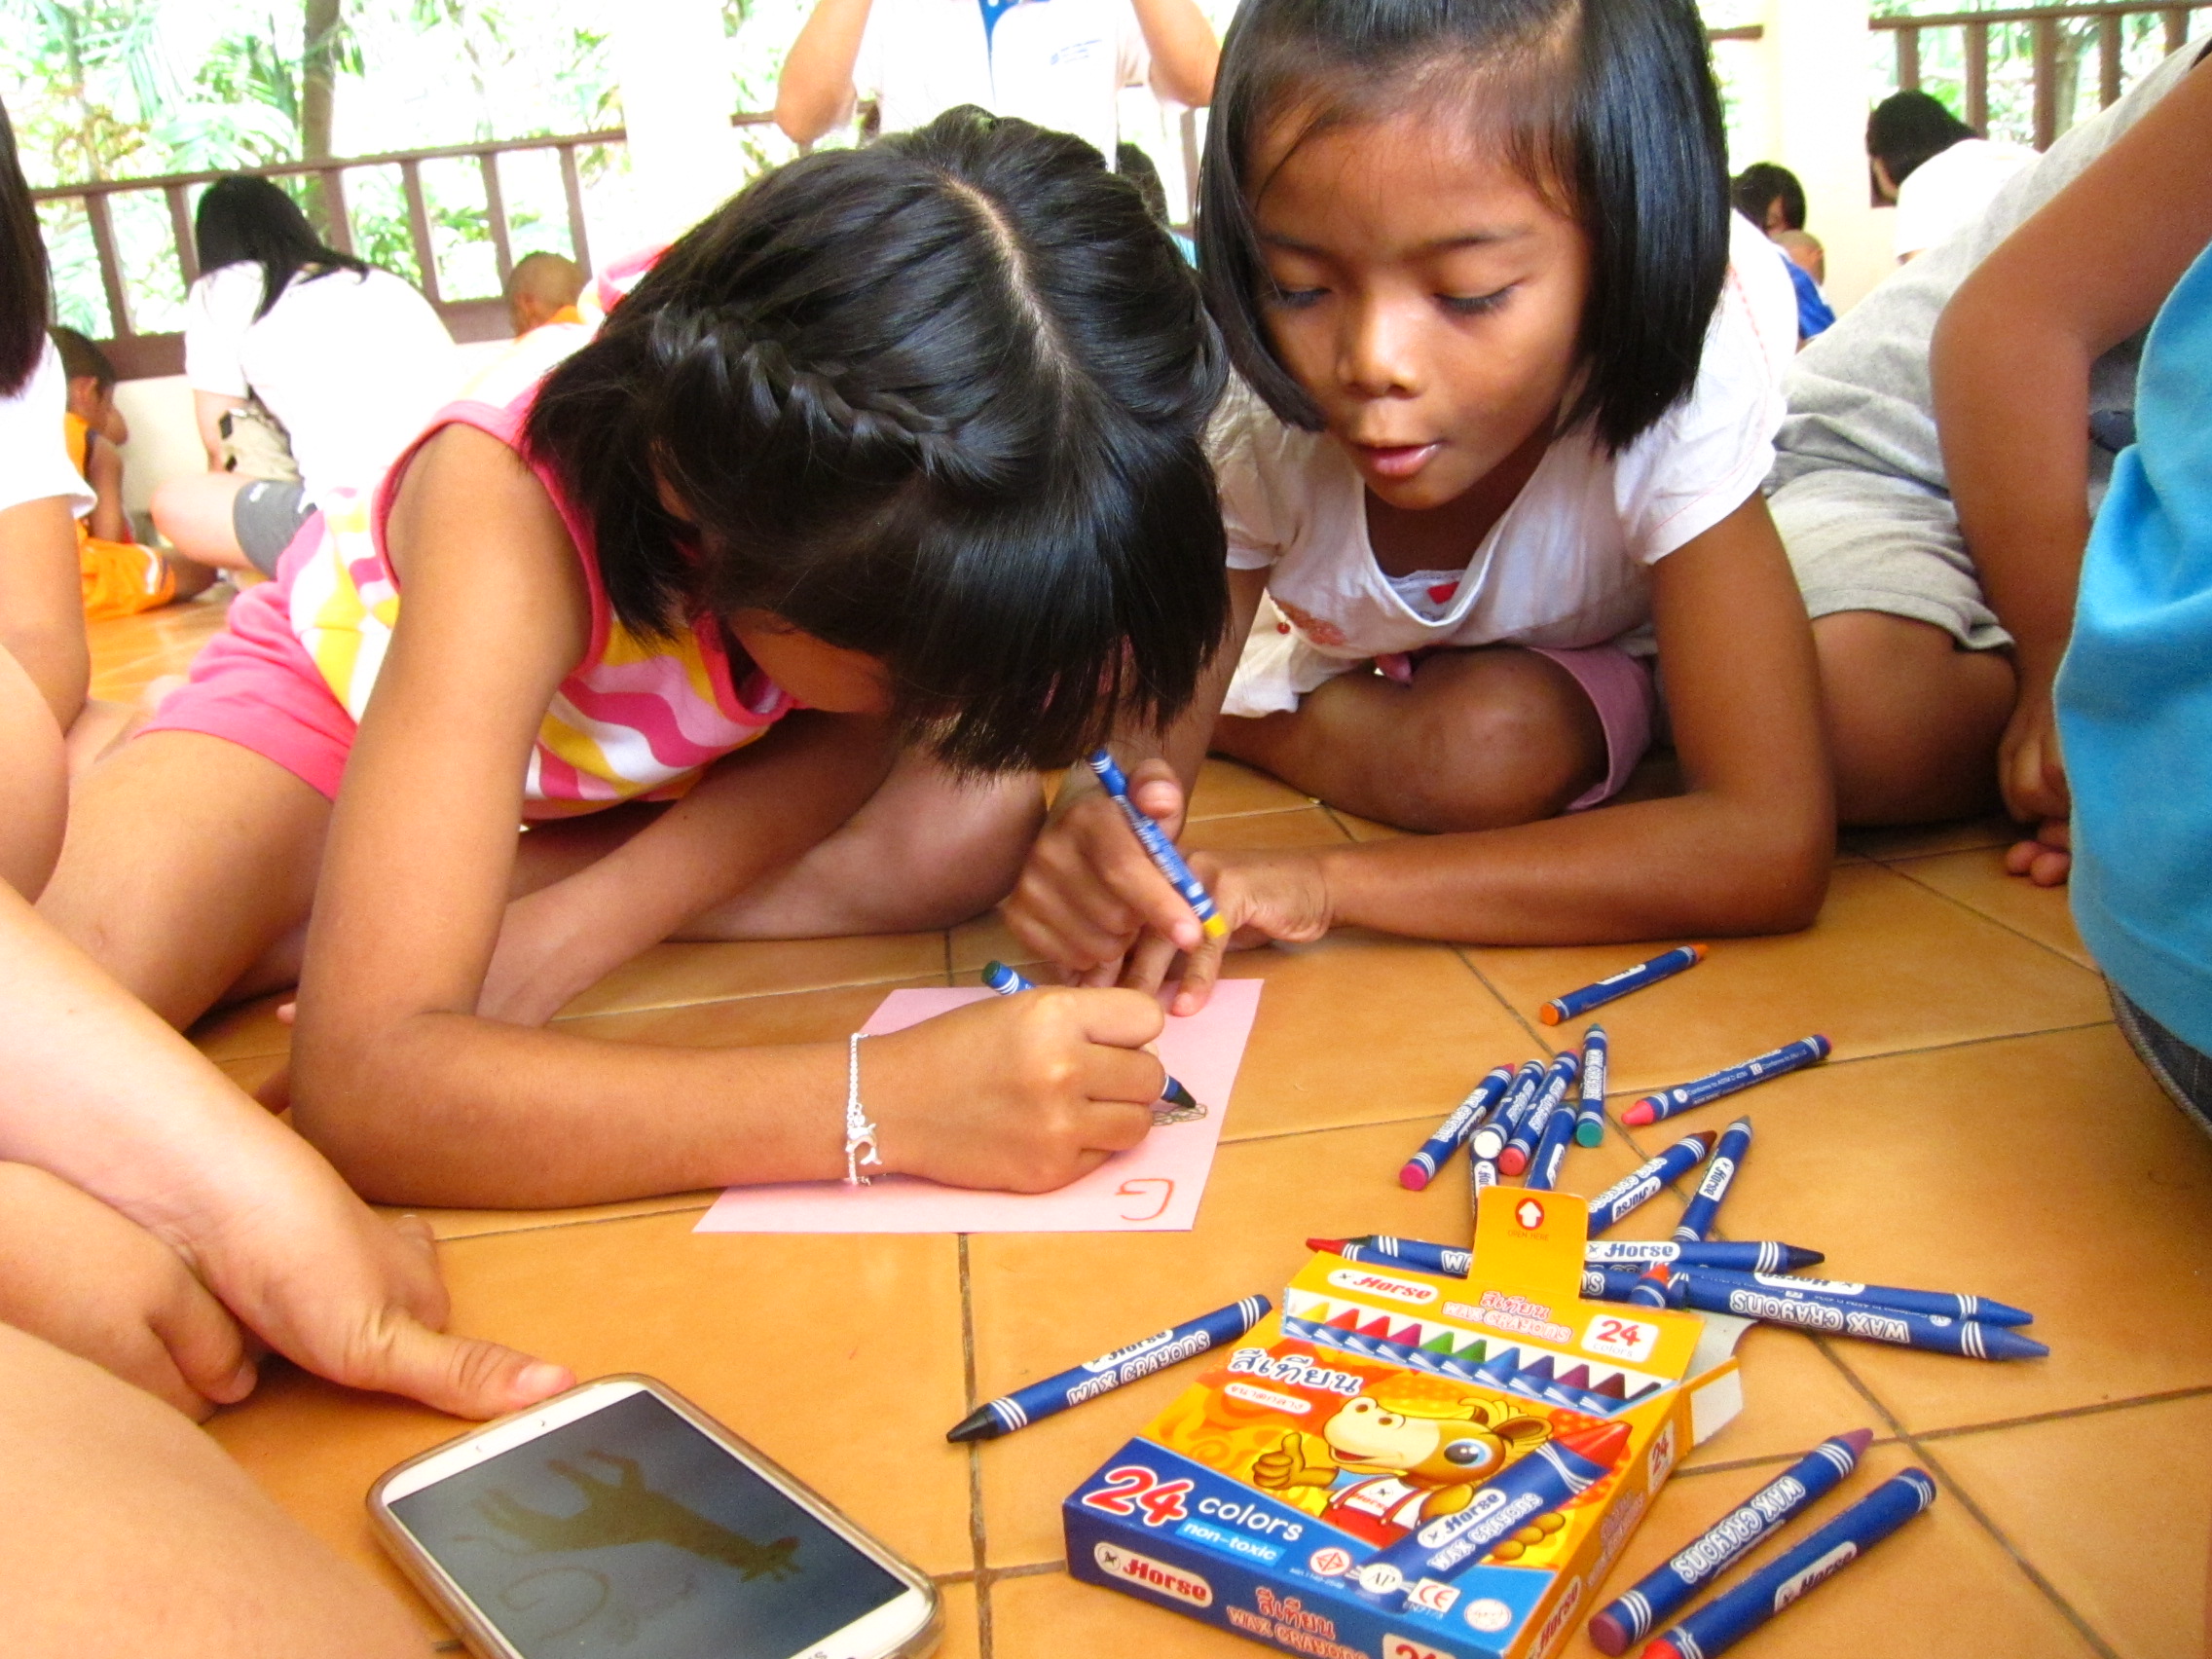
{"x": 1294, "y": 299}
{"x": 1475, "y": 305}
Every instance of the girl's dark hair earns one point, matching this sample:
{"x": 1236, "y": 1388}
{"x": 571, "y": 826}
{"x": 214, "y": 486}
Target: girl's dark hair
{"x": 1607, "y": 106}
{"x": 940, "y": 400}
{"x": 1909, "y": 128}
{"x": 1764, "y": 183}
{"x": 23, "y": 283}
{"x": 241, "y": 217}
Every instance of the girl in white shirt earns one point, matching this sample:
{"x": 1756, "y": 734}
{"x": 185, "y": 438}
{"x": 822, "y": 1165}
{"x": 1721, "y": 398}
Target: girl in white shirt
{"x": 1499, "y": 467}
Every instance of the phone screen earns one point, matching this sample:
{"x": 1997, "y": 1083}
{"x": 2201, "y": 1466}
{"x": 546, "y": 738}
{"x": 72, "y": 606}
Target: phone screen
{"x": 629, "y": 1532}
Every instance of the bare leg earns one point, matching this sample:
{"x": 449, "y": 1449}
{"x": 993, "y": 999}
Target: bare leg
{"x": 187, "y": 859}
{"x": 129, "y": 1533}
{"x": 1913, "y": 719}
{"x": 1480, "y": 740}
{"x": 195, "y": 513}
{"x": 36, "y": 779}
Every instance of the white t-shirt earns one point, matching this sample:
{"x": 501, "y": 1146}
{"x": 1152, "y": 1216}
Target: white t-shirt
{"x": 34, "y": 456}
{"x": 1061, "y": 64}
{"x": 1568, "y": 564}
{"x": 354, "y": 366}
{"x": 1950, "y": 190}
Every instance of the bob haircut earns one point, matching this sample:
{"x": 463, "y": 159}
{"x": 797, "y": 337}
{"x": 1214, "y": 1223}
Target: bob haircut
{"x": 1909, "y": 128}
{"x": 1762, "y": 184}
{"x": 241, "y": 217}
{"x": 940, "y": 400}
{"x": 23, "y": 282}
{"x": 1607, "y": 107}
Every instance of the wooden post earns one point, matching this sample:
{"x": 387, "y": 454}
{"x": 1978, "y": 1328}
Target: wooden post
{"x": 2046, "y": 81}
{"x": 1908, "y": 60}
{"x": 2107, "y": 60}
{"x": 111, "y": 267}
{"x": 418, "y": 228}
{"x": 578, "y": 243}
{"x": 334, "y": 204}
{"x": 1978, "y": 78}
{"x": 496, "y": 214}
{"x": 180, "y": 228}
{"x": 2177, "y": 27}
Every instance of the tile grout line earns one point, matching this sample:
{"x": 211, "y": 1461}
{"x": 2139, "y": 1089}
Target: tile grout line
{"x": 979, "y": 1542}
{"x": 1994, "y": 921}
{"x": 2066, "y": 1413}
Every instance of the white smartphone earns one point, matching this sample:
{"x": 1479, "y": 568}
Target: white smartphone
{"x": 618, "y": 1519}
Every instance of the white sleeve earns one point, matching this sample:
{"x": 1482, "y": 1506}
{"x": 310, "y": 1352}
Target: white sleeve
{"x": 1134, "y": 51}
{"x": 1242, "y": 439}
{"x": 218, "y": 312}
{"x": 1711, "y": 452}
{"x": 1919, "y": 223}
{"x": 34, "y": 456}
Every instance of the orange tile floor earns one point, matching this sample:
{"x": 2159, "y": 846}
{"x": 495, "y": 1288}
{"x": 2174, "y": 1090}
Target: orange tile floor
{"x": 1981, "y": 1127}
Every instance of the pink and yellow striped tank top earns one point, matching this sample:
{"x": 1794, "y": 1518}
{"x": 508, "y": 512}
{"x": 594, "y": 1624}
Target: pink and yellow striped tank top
{"x": 637, "y": 719}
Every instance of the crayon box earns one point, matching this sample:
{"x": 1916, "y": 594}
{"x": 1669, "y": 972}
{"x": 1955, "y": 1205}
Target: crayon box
{"x": 1407, "y": 1466}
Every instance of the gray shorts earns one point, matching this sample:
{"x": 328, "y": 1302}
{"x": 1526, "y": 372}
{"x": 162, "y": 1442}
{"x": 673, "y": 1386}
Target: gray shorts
{"x": 1869, "y": 541}
{"x": 264, "y": 517}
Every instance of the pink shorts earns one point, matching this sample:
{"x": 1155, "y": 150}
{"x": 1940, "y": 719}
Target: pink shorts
{"x": 1619, "y": 686}
{"x": 255, "y": 686}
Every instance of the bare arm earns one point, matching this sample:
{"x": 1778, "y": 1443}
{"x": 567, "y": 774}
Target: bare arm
{"x": 1184, "y": 51}
{"x": 103, "y": 471}
{"x": 208, "y": 411}
{"x": 42, "y": 606}
{"x": 2011, "y": 363}
{"x": 816, "y": 90}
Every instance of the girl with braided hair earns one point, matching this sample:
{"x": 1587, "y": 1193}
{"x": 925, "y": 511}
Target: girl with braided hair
{"x": 761, "y": 607}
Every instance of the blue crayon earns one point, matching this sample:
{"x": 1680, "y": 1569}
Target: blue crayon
{"x": 1421, "y": 1168}
{"x": 1071, "y": 1387}
{"x": 1158, "y": 848}
{"x": 1710, "y": 1290}
{"x": 1748, "y": 1256}
{"x": 1006, "y": 981}
{"x": 1946, "y": 1304}
{"x": 1546, "y": 1106}
{"x": 1650, "y": 1287}
{"x": 1664, "y": 966}
{"x": 1590, "y": 1122}
{"x": 1720, "y": 1176}
{"x": 1489, "y": 1138}
{"x": 1727, "y": 1619}
{"x": 1613, "y": 1205}
{"x": 1789, "y": 1058}
{"x": 1633, "y": 1615}
{"x": 1609, "y": 1285}
{"x": 1557, "y": 1471}
{"x": 1551, "y": 1152}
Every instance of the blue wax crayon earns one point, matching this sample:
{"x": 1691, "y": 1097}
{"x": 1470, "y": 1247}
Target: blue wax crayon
{"x": 1481, "y": 1173}
{"x": 1947, "y": 1304}
{"x": 1633, "y": 1615}
{"x": 1551, "y": 1152}
{"x": 1158, "y": 848}
{"x": 1650, "y": 1287}
{"x": 1664, "y": 966}
{"x": 1711, "y": 1290}
{"x": 1557, "y": 1470}
{"x": 1590, "y": 1122}
{"x": 1006, "y": 981}
{"x": 1609, "y": 1285}
{"x": 1421, "y": 1168}
{"x": 1612, "y": 1205}
{"x": 1562, "y": 1072}
{"x": 1789, "y": 1058}
{"x": 1748, "y": 1256}
{"x": 1109, "y": 1372}
{"x": 1727, "y": 1619}
{"x": 1489, "y": 1137}
{"x": 1727, "y": 1158}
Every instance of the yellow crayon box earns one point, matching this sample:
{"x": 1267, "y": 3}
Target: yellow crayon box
{"x": 1404, "y": 1465}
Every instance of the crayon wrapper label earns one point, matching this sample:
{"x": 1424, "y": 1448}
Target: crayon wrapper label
{"x": 1834, "y": 1562}
{"x": 1139, "y": 1359}
{"x": 1762, "y": 1511}
{"x": 1718, "y": 1174}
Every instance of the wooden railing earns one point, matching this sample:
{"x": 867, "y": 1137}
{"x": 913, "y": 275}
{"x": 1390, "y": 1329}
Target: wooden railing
{"x": 2045, "y": 26}
{"x": 473, "y": 317}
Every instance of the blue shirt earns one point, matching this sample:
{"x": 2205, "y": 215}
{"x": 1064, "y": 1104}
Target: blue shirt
{"x": 2135, "y": 691}
{"x": 1815, "y": 315}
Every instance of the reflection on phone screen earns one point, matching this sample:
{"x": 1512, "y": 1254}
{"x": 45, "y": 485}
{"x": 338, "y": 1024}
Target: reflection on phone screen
{"x": 629, "y": 1532}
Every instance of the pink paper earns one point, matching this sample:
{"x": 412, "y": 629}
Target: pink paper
{"x": 1152, "y": 1187}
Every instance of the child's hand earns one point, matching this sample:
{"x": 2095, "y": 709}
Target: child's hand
{"x": 1021, "y": 1093}
{"x": 95, "y": 1282}
{"x": 1090, "y": 888}
{"x": 1263, "y": 896}
{"x": 2032, "y": 774}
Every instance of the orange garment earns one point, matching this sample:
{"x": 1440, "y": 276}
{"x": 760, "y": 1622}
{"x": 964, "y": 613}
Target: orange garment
{"x": 120, "y": 578}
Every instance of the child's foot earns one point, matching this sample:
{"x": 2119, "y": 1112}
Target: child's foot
{"x": 2046, "y": 859}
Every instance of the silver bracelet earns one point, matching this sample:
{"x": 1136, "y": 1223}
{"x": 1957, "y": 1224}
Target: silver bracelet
{"x": 859, "y": 1132}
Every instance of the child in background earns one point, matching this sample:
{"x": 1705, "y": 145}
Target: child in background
{"x": 542, "y": 288}
{"x": 1771, "y": 197}
{"x": 121, "y": 578}
{"x": 881, "y": 491}
{"x": 1476, "y": 259}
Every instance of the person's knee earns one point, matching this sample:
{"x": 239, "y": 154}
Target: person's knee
{"x": 1516, "y": 750}
{"x": 1913, "y": 721}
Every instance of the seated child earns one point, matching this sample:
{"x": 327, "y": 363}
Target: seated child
{"x": 542, "y": 288}
{"x": 1771, "y": 197}
{"x": 883, "y": 490}
{"x": 1513, "y": 405}
{"x": 120, "y": 576}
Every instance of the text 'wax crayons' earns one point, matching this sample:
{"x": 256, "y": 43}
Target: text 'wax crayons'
{"x": 1610, "y": 1208}
{"x": 1108, "y": 1371}
{"x": 1421, "y": 1168}
{"x": 1590, "y": 1121}
{"x": 1158, "y": 848}
{"x": 1720, "y": 1176}
{"x": 1635, "y": 1614}
{"x": 1006, "y": 981}
{"x": 1730, "y": 1079}
{"x": 1665, "y": 965}
{"x": 1725, "y": 1620}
